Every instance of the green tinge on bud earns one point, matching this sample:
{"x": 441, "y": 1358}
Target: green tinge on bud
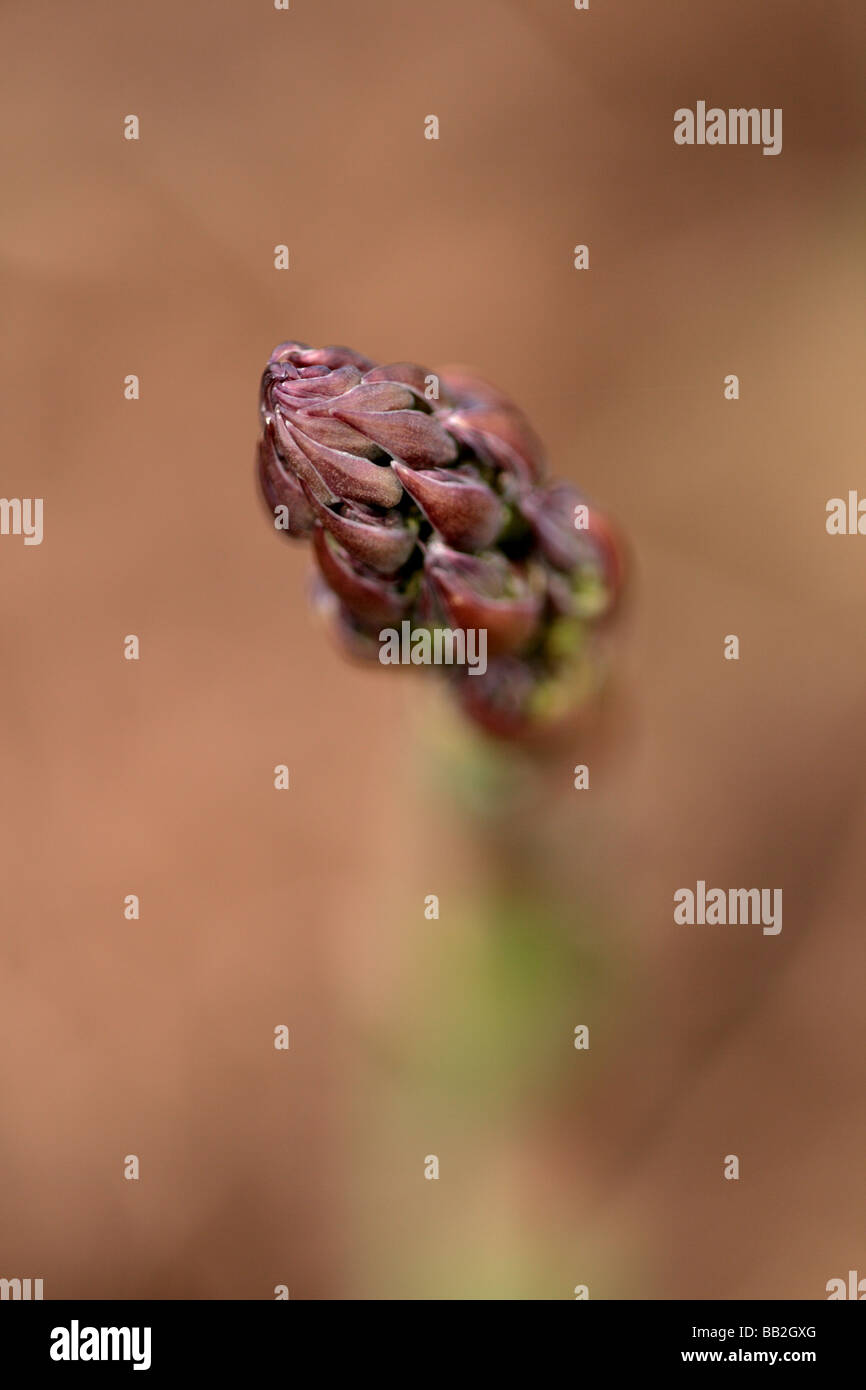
{"x": 460, "y": 507}
{"x": 487, "y": 592}
{"x": 429, "y": 505}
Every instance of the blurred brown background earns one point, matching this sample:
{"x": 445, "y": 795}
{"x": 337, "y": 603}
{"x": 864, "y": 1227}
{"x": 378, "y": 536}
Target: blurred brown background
{"x": 306, "y": 908}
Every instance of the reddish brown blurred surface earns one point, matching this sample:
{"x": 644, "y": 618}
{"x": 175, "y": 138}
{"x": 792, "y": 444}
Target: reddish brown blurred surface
{"x": 156, "y": 257}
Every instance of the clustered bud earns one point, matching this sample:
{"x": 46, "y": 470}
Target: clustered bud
{"x": 426, "y": 501}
